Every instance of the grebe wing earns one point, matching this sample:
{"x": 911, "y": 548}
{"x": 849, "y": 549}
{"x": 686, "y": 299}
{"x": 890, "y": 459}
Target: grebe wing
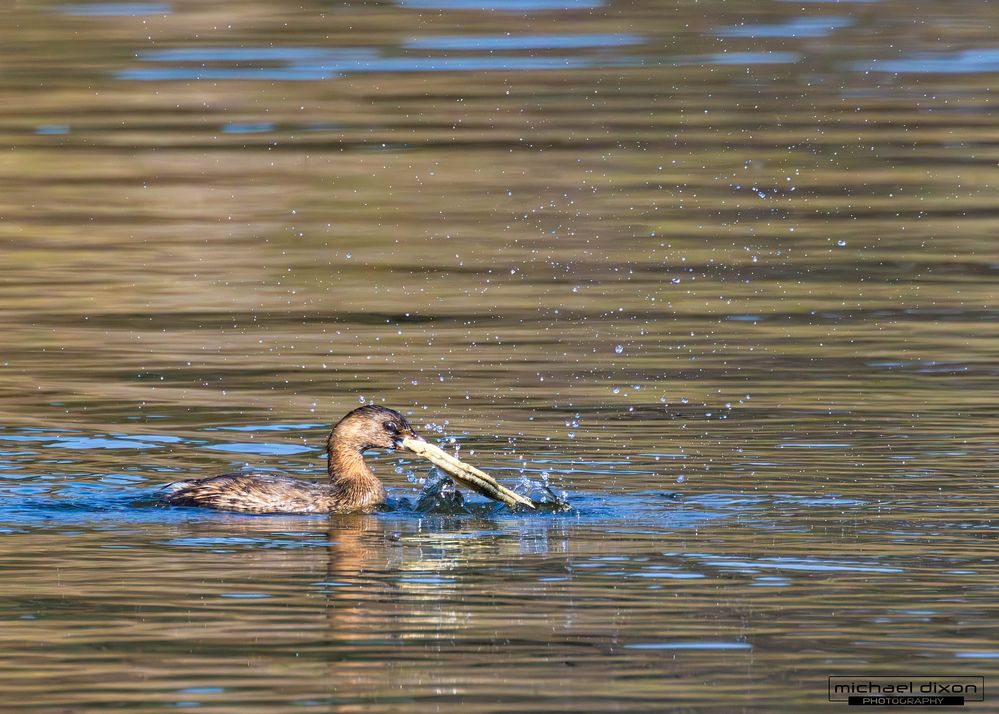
{"x": 250, "y": 492}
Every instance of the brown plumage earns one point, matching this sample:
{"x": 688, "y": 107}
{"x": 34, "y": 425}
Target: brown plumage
{"x": 353, "y": 487}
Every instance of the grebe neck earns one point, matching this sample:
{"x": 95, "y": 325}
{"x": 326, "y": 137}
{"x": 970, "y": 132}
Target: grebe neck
{"x": 344, "y": 463}
{"x": 351, "y": 479}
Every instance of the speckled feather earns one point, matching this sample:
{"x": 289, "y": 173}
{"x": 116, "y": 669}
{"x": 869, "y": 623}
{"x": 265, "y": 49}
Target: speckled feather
{"x": 261, "y": 492}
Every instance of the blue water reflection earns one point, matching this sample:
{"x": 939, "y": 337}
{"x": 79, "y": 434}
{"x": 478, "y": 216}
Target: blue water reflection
{"x": 796, "y": 27}
{"x": 742, "y": 58}
{"x": 247, "y": 128}
{"x": 450, "y": 64}
{"x": 268, "y": 427}
{"x": 329, "y": 68}
{"x": 262, "y": 448}
{"x": 458, "y": 53}
{"x": 101, "y": 443}
{"x": 52, "y": 129}
{"x": 965, "y": 62}
{"x": 311, "y": 64}
{"x": 521, "y": 42}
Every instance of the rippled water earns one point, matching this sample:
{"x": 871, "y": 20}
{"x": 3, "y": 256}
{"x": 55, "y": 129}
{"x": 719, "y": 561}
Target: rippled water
{"x": 723, "y": 272}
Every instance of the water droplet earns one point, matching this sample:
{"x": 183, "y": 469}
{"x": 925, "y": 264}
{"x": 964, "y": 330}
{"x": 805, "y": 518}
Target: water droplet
{"x": 841, "y": 243}
{"x": 619, "y": 349}
{"x": 681, "y": 478}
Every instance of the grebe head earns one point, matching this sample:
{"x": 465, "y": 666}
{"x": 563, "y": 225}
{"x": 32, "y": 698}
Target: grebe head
{"x": 371, "y": 427}
{"x": 375, "y": 427}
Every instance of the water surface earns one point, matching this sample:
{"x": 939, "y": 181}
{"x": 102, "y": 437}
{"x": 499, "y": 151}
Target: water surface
{"x": 724, "y": 272}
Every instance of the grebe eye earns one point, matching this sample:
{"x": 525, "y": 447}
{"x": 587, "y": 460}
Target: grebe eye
{"x": 390, "y": 426}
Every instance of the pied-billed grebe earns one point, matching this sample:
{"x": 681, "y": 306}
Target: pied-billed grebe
{"x": 353, "y": 487}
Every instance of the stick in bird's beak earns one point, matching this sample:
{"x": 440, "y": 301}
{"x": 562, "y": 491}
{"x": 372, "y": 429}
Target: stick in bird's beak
{"x": 466, "y": 475}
